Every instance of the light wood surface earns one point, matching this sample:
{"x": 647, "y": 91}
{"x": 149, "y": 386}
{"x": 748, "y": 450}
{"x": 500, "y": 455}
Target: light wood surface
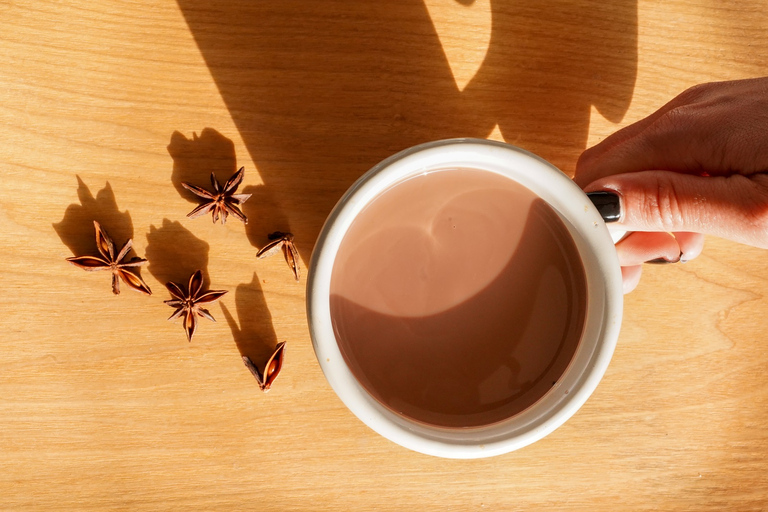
{"x": 105, "y": 107}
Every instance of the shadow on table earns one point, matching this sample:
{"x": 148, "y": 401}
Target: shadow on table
{"x": 76, "y": 228}
{"x": 321, "y": 91}
{"x": 395, "y": 356}
{"x": 264, "y": 216}
{"x": 195, "y": 159}
{"x": 174, "y": 254}
{"x": 255, "y": 336}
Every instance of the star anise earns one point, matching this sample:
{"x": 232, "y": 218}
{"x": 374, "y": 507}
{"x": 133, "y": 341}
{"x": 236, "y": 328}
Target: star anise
{"x": 188, "y": 304}
{"x": 282, "y": 241}
{"x": 222, "y": 201}
{"x": 114, "y": 263}
{"x": 271, "y": 369}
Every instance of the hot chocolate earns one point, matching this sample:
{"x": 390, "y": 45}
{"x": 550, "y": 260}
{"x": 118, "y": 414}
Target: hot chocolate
{"x": 458, "y": 298}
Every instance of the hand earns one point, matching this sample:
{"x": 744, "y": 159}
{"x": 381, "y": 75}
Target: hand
{"x": 699, "y": 165}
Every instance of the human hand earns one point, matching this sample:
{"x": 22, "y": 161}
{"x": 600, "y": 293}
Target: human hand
{"x": 699, "y": 165}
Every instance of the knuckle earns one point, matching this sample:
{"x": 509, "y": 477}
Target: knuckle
{"x": 673, "y": 126}
{"x": 588, "y": 165}
{"x": 696, "y": 93}
{"x": 663, "y": 207}
{"x": 590, "y": 155}
{"x": 584, "y": 159}
{"x": 686, "y": 106}
{"x": 676, "y": 118}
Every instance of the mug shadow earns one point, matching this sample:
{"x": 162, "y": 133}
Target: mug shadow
{"x": 253, "y": 331}
{"x": 174, "y": 254}
{"x": 320, "y": 92}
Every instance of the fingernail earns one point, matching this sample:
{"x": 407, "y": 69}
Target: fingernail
{"x": 663, "y": 261}
{"x": 607, "y": 204}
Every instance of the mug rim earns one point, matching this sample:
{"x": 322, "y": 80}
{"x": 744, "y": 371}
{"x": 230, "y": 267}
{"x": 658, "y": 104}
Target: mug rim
{"x": 602, "y": 318}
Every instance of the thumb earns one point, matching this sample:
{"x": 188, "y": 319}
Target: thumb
{"x": 733, "y": 207}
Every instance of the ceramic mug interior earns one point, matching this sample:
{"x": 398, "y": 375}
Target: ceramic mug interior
{"x": 602, "y": 317}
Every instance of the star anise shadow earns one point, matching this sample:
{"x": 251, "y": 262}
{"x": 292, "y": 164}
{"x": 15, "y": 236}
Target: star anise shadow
{"x": 76, "y": 228}
{"x": 264, "y": 216}
{"x": 255, "y": 335}
{"x": 194, "y": 159}
{"x": 174, "y": 253}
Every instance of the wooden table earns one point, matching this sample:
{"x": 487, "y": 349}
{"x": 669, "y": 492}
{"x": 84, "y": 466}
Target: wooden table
{"x": 106, "y": 107}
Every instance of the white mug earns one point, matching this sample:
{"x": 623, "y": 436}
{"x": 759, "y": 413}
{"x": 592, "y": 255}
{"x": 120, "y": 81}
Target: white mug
{"x": 603, "y": 288}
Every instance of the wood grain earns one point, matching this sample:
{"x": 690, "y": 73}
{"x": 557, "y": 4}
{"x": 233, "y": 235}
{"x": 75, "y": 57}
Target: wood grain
{"x": 105, "y": 107}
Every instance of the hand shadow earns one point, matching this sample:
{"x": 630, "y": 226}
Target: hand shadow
{"x": 255, "y": 336}
{"x": 174, "y": 253}
{"x": 76, "y": 228}
{"x": 320, "y": 92}
{"x": 195, "y": 159}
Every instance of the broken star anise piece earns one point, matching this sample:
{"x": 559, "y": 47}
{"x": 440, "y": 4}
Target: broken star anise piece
{"x": 282, "y": 241}
{"x": 222, "y": 201}
{"x": 271, "y": 369}
{"x": 113, "y": 262}
{"x": 188, "y": 304}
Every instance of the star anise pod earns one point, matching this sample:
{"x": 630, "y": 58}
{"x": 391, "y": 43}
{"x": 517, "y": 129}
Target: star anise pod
{"x": 114, "y": 263}
{"x": 271, "y": 369}
{"x": 282, "y": 241}
{"x": 188, "y": 304}
{"x": 222, "y": 201}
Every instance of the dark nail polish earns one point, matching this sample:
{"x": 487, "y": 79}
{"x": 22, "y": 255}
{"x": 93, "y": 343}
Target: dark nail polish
{"x": 662, "y": 261}
{"x": 607, "y": 204}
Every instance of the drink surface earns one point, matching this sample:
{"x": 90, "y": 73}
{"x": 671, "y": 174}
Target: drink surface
{"x": 458, "y": 298}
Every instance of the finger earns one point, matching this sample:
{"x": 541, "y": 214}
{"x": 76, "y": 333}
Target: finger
{"x": 641, "y": 247}
{"x": 709, "y": 129}
{"x": 617, "y": 153}
{"x": 631, "y": 277}
{"x": 691, "y": 245}
{"x": 733, "y": 207}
